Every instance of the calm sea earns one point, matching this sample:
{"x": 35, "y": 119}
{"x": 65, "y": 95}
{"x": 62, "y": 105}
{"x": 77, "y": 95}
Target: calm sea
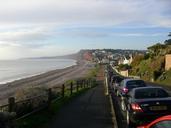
{"x": 11, "y": 70}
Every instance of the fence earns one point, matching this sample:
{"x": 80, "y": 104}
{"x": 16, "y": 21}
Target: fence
{"x": 36, "y": 103}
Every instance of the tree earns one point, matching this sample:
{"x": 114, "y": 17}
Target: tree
{"x": 137, "y": 59}
{"x": 169, "y": 34}
{"x": 168, "y": 42}
{"x": 156, "y": 49}
{"x": 124, "y": 67}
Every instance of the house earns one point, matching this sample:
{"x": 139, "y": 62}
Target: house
{"x": 126, "y": 60}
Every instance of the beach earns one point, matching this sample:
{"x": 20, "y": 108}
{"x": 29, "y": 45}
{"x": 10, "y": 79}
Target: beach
{"x": 47, "y": 80}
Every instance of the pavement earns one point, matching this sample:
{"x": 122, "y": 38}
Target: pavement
{"x": 89, "y": 110}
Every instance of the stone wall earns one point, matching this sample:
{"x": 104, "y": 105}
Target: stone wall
{"x": 167, "y": 61}
{"x": 124, "y": 73}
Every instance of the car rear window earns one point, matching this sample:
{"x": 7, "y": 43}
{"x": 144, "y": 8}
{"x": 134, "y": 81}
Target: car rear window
{"x": 135, "y": 83}
{"x": 150, "y": 93}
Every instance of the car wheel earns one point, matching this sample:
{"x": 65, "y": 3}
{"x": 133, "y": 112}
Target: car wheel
{"x": 123, "y": 107}
{"x": 130, "y": 124}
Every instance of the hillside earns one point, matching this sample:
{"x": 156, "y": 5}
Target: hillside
{"x": 151, "y": 66}
{"x": 75, "y": 56}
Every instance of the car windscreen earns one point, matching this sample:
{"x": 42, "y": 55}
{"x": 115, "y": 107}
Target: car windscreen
{"x": 150, "y": 93}
{"x": 135, "y": 83}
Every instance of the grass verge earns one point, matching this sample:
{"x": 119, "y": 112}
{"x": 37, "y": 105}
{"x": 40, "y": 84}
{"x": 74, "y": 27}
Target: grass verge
{"x": 93, "y": 72}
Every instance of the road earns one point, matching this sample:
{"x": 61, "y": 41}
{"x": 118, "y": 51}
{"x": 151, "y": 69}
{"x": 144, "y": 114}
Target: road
{"x": 90, "y": 110}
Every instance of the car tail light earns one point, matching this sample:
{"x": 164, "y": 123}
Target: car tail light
{"x": 125, "y": 90}
{"x": 136, "y": 107}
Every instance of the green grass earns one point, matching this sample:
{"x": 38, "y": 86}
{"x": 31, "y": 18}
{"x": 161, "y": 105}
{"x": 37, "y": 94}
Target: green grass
{"x": 93, "y": 72}
{"x": 165, "y": 78}
{"x": 42, "y": 118}
{"x": 70, "y": 81}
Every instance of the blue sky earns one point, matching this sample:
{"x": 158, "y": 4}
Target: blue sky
{"x": 32, "y": 28}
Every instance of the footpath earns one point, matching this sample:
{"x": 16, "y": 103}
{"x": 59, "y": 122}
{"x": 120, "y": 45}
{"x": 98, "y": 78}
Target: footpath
{"x": 90, "y": 110}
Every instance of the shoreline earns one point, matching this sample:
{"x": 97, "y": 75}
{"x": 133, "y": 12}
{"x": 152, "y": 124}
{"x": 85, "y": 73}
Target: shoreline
{"x": 24, "y": 75}
{"x": 47, "y": 79}
{"x": 33, "y": 75}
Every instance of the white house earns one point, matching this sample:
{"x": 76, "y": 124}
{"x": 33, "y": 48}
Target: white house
{"x": 124, "y": 60}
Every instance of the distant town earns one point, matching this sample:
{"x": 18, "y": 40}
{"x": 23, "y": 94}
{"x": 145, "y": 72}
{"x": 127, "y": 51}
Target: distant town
{"x": 114, "y": 57}
{"x": 153, "y": 64}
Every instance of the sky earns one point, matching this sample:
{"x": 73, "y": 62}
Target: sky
{"x": 34, "y": 28}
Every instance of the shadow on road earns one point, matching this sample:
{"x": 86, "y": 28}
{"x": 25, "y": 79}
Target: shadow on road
{"x": 120, "y": 115}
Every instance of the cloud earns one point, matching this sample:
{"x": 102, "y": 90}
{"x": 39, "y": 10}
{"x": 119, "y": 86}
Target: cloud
{"x": 110, "y": 32}
{"x": 22, "y": 36}
{"x": 138, "y": 34}
{"x": 10, "y": 50}
{"x": 43, "y": 27}
{"x": 28, "y": 37}
{"x": 87, "y": 12}
{"x": 39, "y": 36}
{"x": 30, "y": 41}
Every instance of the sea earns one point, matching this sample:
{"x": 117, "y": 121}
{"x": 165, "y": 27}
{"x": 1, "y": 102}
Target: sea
{"x": 11, "y": 70}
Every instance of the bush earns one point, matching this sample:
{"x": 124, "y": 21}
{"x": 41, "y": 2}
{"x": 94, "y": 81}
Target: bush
{"x": 26, "y": 93}
{"x": 123, "y": 67}
{"x": 149, "y": 68}
{"x": 93, "y": 72}
{"x": 137, "y": 60}
{"x": 165, "y": 78}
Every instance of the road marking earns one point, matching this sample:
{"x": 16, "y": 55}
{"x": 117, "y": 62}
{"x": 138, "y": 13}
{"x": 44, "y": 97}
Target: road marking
{"x": 107, "y": 91}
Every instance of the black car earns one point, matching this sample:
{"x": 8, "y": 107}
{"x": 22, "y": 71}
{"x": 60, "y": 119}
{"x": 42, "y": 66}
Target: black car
{"x": 145, "y": 104}
{"x": 127, "y": 85}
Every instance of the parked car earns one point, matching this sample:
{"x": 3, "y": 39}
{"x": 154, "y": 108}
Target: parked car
{"x": 146, "y": 103}
{"x": 115, "y": 81}
{"x": 110, "y": 74}
{"x": 127, "y": 85}
{"x": 161, "y": 122}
